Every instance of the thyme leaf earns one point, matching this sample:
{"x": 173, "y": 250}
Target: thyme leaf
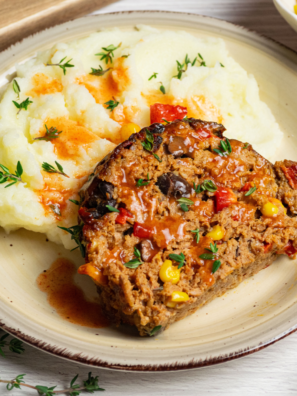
{"x": 108, "y": 53}
{"x": 206, "y": 185}
{"x": 16, "y": 88}
{"x": 75, "y": 232}
{"x": 197, "y": 236}
{"x": 112, "y": 209}
{"x": 162, "y": 88}
{"x": 225, "y": 148}
{"x": 55, "y": 208}
{"x": 6, "y": 176}
{"x": 154, "y": 75}
{"x": 51, "y": 169}
{"x": 202, "y": 61}
{"x": 155, "y": 330}
{"x": 251, "y": 191}
{"x": 112, "y": 104}
{"x": 141, "y": 183}
{"x": 50, "y": 134}
{"x": 99, "y": 71}
{"x": 63, "y": 66}
{"x": 179, "y": 258}
{"x": 135, "y": 263}
{"x": 23, "y": 105}
{"x": 216, "y": 265}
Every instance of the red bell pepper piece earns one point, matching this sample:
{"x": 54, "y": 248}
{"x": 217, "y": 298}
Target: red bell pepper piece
{"x": 160, "y": 111}
{"x": 86, "y": 216}
{"x": 224, "y": 197}
{"x": 291, "y": 175}
{"x": 289, "y": 249}
{"x": 247, "y": 186}
{"x": 267, "y": 247}
{"x": 122, "y": 216}
{"x": 141, "y": 231}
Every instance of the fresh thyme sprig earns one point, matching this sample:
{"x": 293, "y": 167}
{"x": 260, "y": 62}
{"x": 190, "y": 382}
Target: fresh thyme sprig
{"x": 89, "y": 385}
{"x": 14, "y": 345}
{"x": 182, "y": 67}
{"x": 75, "y": 202}
{"x": 197, "y": 236}
{"x": 75, "y": 232}
{"x": 154, "y": 75}
{"x": 135, "y": 263}
{"x": 63, "y": 66}
{"x": 225, "y": 148}
{"x": 206, "y": 185}
{"x": 108, "y": 53}
{"x": 51, "y": 169}
{"x": 23, "y": 105}
{"x": 6, "y": 176}
{"x": 16, "y": 88}
{"x": 216, "y": 265}
{"x": 99, "y": 71}
{"x": 141, "y": 183}
{"x": 112, "y": 104}
{"x": 50, "y": 134}
{"x": 148, "y": 143}
{"x": 184, "y": 203}
{"x": 179, "y": 258}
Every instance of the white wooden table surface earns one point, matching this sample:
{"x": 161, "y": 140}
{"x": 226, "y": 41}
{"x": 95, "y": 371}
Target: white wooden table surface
{"x": 272, "y": 371}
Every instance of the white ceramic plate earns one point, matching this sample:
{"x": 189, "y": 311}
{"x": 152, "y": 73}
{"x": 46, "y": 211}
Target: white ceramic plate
{"x": 257, "y": 313}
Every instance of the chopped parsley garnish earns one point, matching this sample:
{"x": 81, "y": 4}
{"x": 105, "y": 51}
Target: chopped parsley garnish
{"x": 141, "y": 183}
{"x": 75, "y": 232}
{"x": 6, "y": 176}
{"x": 112, "y": 209}
{"x": 197, "y": 236}
{"x": 108, "y": 53}
{"x": 155, "y": 330}
{"x": 135, "y": 263}
{"x": 16, "y": 88}
{"x": 251, "y": 191}
{"x": 162, "y": 88}
{"x": 179, "y": 258}
{"x": 51, "y": 169}
{"x": 63, "y": 66}
{"x": 216, "y": 265}
{"x": 99, "y": 71}
{"x": 207, "y": 185}
{"x": 23, "y": 105}
{"x": 184, "y": 203}
{"x": 154, "y": 75}
{"x": 55, "y": 208}
{"x": 112, "y": 104}
{"x": 50, "y": 134}
{"x": 225, "y": 148}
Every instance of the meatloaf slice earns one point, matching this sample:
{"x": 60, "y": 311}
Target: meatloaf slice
{"x": 177, "y": 215}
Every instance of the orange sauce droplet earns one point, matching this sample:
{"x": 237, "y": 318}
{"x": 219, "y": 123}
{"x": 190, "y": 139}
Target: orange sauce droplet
{"x": 67, "y": 298}
{"x": 43, "y": 85}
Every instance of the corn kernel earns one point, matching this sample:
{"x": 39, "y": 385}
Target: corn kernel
{"x": 178, "y": 296}
{"x": 216, "y": 234}
{"x": 171, "y": 304}
{"x": 169, "y": 273}
{"x": 128, "y": 129}
{"x": 295, "y": 8}
{"x": 269, "y": 210}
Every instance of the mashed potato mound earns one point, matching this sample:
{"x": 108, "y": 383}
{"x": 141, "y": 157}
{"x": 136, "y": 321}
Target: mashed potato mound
{"x": 214, "y": 88}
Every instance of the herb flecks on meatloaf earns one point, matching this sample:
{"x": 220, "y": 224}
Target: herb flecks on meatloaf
{"x": 177, "y": 215}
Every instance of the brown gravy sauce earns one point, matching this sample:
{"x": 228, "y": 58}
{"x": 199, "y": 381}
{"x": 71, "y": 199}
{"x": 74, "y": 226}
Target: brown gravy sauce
{"x": 67, "y": 298}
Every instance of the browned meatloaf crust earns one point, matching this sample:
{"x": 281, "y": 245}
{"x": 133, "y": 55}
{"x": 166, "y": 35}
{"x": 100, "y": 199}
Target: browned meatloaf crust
{"x": 222, "y": 183}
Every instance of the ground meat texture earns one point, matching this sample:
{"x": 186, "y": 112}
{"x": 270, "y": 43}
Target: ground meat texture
{"x": 174, "y": 179}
